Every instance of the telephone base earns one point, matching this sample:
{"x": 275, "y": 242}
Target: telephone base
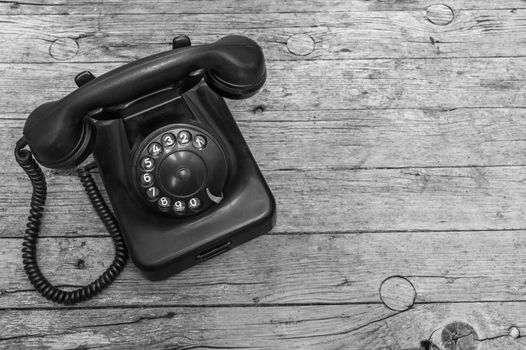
{"x": 162, "y": 243}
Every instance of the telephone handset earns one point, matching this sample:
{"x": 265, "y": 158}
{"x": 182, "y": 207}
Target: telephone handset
{"x": 182, "y": 182}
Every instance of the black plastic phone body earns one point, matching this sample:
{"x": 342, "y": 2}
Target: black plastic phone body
{"x": 159, "y": 244}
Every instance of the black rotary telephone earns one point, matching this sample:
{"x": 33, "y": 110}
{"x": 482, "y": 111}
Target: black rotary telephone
{"x": 181, "y": 179}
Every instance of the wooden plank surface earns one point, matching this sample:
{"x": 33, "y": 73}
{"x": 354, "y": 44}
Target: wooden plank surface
{"x": 273, "y": 270}
{"x": 333, "y": 200}
{"x": 67, "y": 7}
{"x": 280, "y": 327}
{"x": 323, "y": 35}
{"x": 391, "y": 133}
{"x": 349, "y": 84}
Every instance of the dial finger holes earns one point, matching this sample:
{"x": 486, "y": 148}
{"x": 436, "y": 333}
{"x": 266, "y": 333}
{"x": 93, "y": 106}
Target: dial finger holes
{"x": 164, "y": 203}
{"x": 154, "y": 149}
{"x": 168, "y": 140}
{"x": 183, "y": 137}
{"x": 194, "y": 203}
{"x": 179, "y": 207}
{"x": 199, "y": 142}
{"x": 146, "y": 179}
{"x": 152, "y": 192}
{"x": 147, "y": 163}
{"x": 175, "y": 165}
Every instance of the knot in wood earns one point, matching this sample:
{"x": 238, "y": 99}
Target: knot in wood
{"x": 63, "y": 49}
{"x": 459, "y": 336}
{"x": 397, "y": 293}
{"x": 440, "y": 14}
{"x": 301, "y": 44}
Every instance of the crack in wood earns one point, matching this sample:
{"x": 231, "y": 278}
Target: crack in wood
{"x": 31, "y": 3}
{"x": 23, "y": 336}
{"x": 200, "y": 346}
{"x": 349, "y": 330}
{"x": 225, "y": 283}
{"x": 168, "y": 315}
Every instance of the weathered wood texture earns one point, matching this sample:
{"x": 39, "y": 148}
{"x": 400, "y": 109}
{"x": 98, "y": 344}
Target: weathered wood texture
{"x": 391, "y": 133}
{"x": 331, "y": 36}
{"x": 67, "y": 7}
{"x": 275, "y": 327}
{"x": 347, "y": 84}
{"x": 298, "y": 269}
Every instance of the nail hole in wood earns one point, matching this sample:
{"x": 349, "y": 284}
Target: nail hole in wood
{"x": 80, "y": 264}
{"x": 258, "y": 109}
{"x": 440, "y": 15}
{"x": 301, "y": 44}
{"x": 63, "y": 49}
{"x": 397, "y": 293}
{"x": 459, "y": 336}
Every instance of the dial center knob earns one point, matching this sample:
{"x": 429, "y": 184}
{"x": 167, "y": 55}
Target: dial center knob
{"x": 182, "y": 173}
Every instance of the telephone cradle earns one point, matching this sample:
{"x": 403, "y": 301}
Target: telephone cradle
{"x": 181, "y": 180}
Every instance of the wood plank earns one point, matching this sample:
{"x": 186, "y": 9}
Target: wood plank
{"x": 442, "y": 267}
{"x": 314, "y": 140}
{"x": 355, "y": 84}
{"x": 342, "y": 172}
{"x": 336, "y": 200}
{"x": 63, "y": 7}
{"x": 307, "y": 327}
{"x": 422, "y": 156}
{"x": 341, "y": 35}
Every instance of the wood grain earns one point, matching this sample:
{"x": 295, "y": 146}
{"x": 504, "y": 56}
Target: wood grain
{"x": 391, "y": 133}
{"x": 357, "y": 139}
{"x": 66, "y": 8}
{"x": 273, "y": 270}
{"x": 333, "y": 36}
{"x": 297, "y": 327}
{"x": 356, "y": 84}
{"x": 354, "y": 172}
{"x": 331, "y": 200}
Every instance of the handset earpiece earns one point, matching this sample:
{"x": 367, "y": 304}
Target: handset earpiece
{"x": 59, "y": 134}
{"x": 242, "y": 72}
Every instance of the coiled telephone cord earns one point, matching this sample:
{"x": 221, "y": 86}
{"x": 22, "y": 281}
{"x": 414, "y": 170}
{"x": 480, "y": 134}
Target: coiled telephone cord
{"x": 38, "y": 199}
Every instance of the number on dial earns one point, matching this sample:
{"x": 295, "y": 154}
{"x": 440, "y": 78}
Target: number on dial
{"x": 155, "y": 149}
{"x": 183, "y": 137}
{"x": 168, "y": 140}
{"x": 147, "y": 163}
{"x": 199, "y": 142}
{"x": 164, "y": 202}
{"x": 146, "y": 179}
{"x": 194, "y": 203}
{"x": 152, "y": 192}
{"x": 179, "y": 206}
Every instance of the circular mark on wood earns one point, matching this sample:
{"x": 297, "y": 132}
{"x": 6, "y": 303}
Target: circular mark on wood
{"x": 64, "y": 49}
{"x": 514, "y": 332}
{"x": 459, "y": 336}
{"x": 397, "y": 293}
{"x": 440, "y": 15}
{"x": 301, "y": 44}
